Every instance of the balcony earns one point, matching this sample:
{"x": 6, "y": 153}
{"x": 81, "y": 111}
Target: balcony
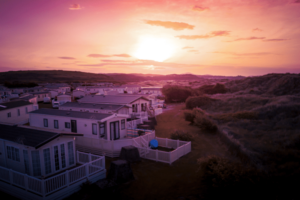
{"x": 91, "y": 167}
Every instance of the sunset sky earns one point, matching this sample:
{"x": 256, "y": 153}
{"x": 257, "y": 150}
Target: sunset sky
{"x": 218, "y": 37}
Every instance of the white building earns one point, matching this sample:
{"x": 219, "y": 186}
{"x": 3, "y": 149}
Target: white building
{"x": 137, "y": 104}
{"x": 131, "y": 89}
{"x": 29, "y": 97}
{"x": 53, "y": 93}
{"x": 41, "y": 95}
{"x": 29, "y": 158}
{"x": 64, "y": 98}
{"x": 92, "y": 125}
{"x": 78, "y": 93}
{"x": 96, "y": 108}
{"x": 151, "y": 90}
{"x": 16, "y": 112}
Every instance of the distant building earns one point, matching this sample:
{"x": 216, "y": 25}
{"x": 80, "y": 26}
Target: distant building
{"x": 15, "y": 112}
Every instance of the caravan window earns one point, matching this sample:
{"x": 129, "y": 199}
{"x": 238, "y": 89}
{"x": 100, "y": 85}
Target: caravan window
{"x": 45, "y": 122}
{"x": 67, "y": 124}
{"x": 56, "y": 124}
{"x": 123, "y": 124}
{"x": 94, "y": 129}
{"x": 13, "y": 153}
{"x": 102, "y": 129}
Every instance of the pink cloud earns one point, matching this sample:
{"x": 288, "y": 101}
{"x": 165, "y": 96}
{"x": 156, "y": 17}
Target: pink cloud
{"x": 75, "y": 7}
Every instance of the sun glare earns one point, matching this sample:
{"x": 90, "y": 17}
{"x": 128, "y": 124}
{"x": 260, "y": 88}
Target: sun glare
{"x": 154, "y": 48}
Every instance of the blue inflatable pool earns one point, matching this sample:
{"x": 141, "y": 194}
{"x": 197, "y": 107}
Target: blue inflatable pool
{"x": 153, "y": 144}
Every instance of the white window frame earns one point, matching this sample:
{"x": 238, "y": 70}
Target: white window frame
{"x": 45, "y": 120}
{"x": 123, "y": 124}
{"x": 69, "y": 125}
{"x": 13, "y": 153}
{"x": 56, "y": 127}
{"x": 94, "y": 129}
{"x": 8, "y": 114}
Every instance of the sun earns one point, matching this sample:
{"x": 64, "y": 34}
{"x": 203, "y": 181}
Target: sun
{"x": 154, "y": 48}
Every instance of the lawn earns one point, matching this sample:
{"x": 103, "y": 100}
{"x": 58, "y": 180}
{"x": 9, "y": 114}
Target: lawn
{"x": 155, "y": 180}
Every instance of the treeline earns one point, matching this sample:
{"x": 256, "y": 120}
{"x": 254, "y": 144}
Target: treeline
{"x": 17, "y": 84}
{"x": 182, "y": 93}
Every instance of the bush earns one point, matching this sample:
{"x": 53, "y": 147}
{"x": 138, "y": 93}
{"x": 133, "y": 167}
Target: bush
{"x": 182, "y": 135}
{"x": 189, "y": 116}
{"x": 212, "y": 89}
{"x": 176, "y": 93}
{"x": 205, "y": 123}
{"x": 237, "y": 115}
{"x": 199, "y": 101}
{"x": 224, "y": 177}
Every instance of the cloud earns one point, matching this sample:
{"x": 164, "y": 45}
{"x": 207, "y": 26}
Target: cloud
{"x": 195, "y": 51}
{"x": 177, "y": 26}
{"x": 297, "y": 1}
{"x": 187, "y": 47}
{"x": 246, "y": 54}
{"x": 199, "y": 8}
{"x": 115, "y": 61}
{"x": 257, "y": 29}
{"x": 75, "y": 7}
{"x": 212, "y": 34}
{"x": 122, "y": 55}
{"x": 67, "y": 58}
{"x": 249, "y": 38}
{"x": 98, "y": 55}
{"x": 105, "y": 56}
{"x": 142, "y": 63}
{"x": 275, "y": 40}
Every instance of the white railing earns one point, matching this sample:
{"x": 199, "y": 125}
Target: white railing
{"x": 181, "y": 148}
{"x": 112, "y": 148}
{"x": 91, "y": 164}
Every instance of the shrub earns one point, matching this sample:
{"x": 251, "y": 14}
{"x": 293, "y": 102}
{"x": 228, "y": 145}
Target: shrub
{"x": 237, "y": 115}
{"x": 224, "y": 177}
{"x": 212, "y": 89}
{"x": 176, "y": 93}
{"x": 182, "y": 135}
{"x": 205, "y": 123}
{"x": 198, "y": 111}
{"x": 199, "y": 101}
{"x": 189, "y": 116}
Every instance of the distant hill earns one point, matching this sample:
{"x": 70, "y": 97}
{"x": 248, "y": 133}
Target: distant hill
{"x": 144, "y": 77}
{"x": 42, "y": 76}
{"x": 276, "y": 84}
{"x": 207, "y": 76}
{"x": 52, "y": 76}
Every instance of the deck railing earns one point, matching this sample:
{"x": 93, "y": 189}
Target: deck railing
{"x": 91, "y": 164}
{"x": 181, "y": 148}
{"x": 112, "y": 148}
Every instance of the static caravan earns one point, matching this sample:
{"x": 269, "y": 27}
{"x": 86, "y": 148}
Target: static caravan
{"x": 96, "y": 108}
{"x": 15, "y": 112}
{"x": 137, "y": 103}
{"x": 44, "y": 165}
{"x": 92, "y": 125}
{"x": 40, "y": 95}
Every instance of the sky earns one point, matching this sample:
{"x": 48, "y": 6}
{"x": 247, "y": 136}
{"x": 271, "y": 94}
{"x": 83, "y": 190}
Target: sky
{"x": 217, "y": 37}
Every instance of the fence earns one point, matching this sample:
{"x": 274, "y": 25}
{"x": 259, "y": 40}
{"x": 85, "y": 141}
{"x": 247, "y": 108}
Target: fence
{"x": 42, "y": 189}
{"x": 111, "y": 148}
{"x": 181, "y": 148}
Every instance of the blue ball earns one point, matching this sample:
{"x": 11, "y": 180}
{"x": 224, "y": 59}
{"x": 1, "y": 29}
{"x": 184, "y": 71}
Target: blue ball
{"x": 153, "y": 144}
